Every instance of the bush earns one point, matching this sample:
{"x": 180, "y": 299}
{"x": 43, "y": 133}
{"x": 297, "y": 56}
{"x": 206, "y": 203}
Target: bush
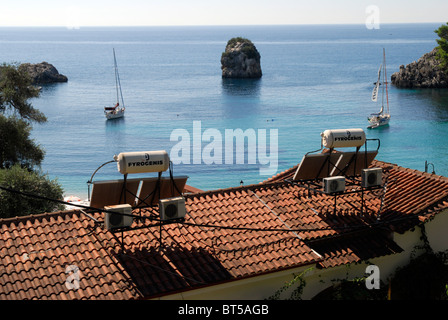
{"x": 28, "y": 181}
{"x": 248, "y": 47}
{"x": 425, "y": 278}
{"x": 232, "y": 42}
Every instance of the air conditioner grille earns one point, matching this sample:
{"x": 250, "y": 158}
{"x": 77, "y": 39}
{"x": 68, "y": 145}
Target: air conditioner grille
{"x": 118, "y": 216}
{"x": 334, "y": 184}
{"x": 172, "y": 208}
{"x": 115, "y": 219}
{"x": 371, "y": 177}
{"x": 171, "y": 211}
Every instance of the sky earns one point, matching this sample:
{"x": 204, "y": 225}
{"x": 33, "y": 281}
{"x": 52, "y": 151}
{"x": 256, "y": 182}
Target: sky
{"x": 80, "y": 13}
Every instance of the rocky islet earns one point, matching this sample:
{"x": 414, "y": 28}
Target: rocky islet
{"x": 241, "y": 59}
{"x": 43, "y": 73}
{"x": 423, "y": 73}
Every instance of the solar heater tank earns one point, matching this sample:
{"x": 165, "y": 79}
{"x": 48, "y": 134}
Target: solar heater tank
{"x": 342, "y": 138}
{"x": 140, "y": 162}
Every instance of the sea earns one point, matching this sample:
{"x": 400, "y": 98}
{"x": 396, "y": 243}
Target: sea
{"x": 315, "y": 78}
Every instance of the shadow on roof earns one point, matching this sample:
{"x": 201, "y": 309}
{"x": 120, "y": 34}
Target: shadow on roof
{"x": 157, "y": 271}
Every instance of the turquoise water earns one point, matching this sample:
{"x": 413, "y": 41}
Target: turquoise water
{"x": 314, "y": 78}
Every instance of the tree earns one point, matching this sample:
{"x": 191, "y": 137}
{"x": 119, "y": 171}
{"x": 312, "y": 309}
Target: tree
{"x": 442, "y": 53}
{"x": 15, "y": 91}
{"x": 16, "y": 146}
{"x": 19, "y": 154}
{"x": 16, "y": 116}
{"x": 28, "y": 181}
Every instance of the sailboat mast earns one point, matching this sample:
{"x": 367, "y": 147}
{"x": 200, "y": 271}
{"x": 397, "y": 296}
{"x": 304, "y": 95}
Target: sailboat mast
{"x": 385, "y": 76}
{"x": 116, "y": 78}
{"x": 383, "y": 88}
{"x": 117, "y": 81}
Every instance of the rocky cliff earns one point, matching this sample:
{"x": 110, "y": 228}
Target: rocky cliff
{"x": 241, "y": 59}
{"x": 42, "y": 73}
{"x": 424, "y": 73}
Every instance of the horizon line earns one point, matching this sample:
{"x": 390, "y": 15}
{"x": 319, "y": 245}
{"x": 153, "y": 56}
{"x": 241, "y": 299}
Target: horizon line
{"x": 209, "y": 25}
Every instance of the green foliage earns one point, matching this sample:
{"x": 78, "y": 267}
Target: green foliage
{"x": 24, "y": 180}
{"x": 248, "y": 47}
{"x": 424, "y": 278}
{"x": 352, "y": 289}
{"x": 15, "y": 91}
{"x": 232, "y": 42}
{"x": 250, "y": 51}
{"x": 16, "y": 115}
{"x": 296, "y": 292}
{"x": 16, "y": 146}
{"x": 19, "y": 154}
{"x": 225, "y": 54}
{"x": 442, "y": 53}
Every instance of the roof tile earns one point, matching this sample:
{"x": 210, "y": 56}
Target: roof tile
{"x": 35, "y": 250}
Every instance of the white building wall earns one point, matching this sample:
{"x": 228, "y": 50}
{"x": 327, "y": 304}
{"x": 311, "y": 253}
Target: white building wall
{"x": 437, "y": 232}
{"x": 262, "y": 287}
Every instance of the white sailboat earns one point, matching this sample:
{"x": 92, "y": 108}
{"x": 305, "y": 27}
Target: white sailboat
{"x": 116, "y": 111}
{"x": 381, "y": 118}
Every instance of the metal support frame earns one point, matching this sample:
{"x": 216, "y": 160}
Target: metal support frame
{"x": 427, "y": 164}
{"x": 91, "y": 178}
{"x": 123, "y": 197}
{"x": 123, "y": 194}
{"x": 160, "y": 224}
{"x": 315, "y": 185}
{"x": 353, "y": 159}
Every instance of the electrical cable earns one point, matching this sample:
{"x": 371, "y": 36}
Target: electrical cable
{"x": 172, "y": 179}
{"x": 26, "y": 194}
{"x": 274, "y": 213}
{"x": 378, "y": 223}
{"x": 26, "y": 255}
{"x": 239, "y": 228}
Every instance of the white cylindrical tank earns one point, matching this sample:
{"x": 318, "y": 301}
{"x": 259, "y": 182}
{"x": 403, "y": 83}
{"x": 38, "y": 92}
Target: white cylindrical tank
{"x": 145, "y": 161}
{"x": 342, "y": 138}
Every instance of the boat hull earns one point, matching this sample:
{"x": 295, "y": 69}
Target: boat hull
{"x": 378, "y": 121}
{"x": 114, "y": 114}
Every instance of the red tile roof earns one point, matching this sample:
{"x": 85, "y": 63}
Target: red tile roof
{"x": 227, "y": 235}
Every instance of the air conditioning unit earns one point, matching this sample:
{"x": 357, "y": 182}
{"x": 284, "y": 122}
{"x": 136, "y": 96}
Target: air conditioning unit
{"x": 116, "y": 219}
{"x": 172, "y": 208}
{"x": 334, "y": 184}
{"x": 372, "y": 177}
